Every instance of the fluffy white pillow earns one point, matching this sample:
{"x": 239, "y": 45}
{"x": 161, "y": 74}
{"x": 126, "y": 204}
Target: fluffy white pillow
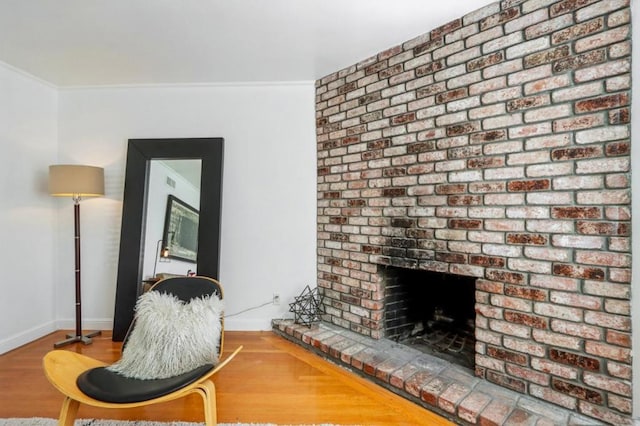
{"x": 171, "y": 337}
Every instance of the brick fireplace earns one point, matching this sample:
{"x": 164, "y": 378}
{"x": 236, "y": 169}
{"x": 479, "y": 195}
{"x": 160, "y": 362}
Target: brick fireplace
{"x": 496, "y": 147}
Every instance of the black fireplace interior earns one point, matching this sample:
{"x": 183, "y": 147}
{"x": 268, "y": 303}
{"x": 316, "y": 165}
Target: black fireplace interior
{"x": 431, "y": 311}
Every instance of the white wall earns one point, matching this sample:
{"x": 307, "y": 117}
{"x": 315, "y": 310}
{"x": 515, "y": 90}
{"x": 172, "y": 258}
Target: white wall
{"x": 269, "y": 202}
{"x": 28, "y": 143}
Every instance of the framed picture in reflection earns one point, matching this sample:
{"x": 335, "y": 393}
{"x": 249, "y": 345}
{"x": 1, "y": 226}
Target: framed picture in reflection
{"x": 181, "y": 230}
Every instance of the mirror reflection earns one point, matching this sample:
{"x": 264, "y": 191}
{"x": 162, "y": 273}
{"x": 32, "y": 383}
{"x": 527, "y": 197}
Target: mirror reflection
{"x": 171, "y": 222}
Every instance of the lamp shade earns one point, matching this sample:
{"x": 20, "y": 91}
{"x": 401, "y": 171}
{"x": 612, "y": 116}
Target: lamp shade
{"x": 67, "y": 180}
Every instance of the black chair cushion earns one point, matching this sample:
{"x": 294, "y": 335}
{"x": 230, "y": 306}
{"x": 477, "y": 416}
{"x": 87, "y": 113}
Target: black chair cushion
{"x": 187, "y": 288}
{"x": 104, "y": 385}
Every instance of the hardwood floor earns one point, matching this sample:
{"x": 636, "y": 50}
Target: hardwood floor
{"x": 271, "y": 380}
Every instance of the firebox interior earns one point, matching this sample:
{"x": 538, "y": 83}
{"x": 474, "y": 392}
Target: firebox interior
{"x": 431, "y": 311}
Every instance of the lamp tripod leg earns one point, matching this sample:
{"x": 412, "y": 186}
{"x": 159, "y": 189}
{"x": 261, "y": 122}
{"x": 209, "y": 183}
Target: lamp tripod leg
{"x": 72, "y": 338}
{"x": 86, "y": 338}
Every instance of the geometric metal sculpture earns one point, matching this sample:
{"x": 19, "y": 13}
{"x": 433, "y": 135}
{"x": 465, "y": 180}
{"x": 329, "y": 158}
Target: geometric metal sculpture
{"x": 307, "y": 308}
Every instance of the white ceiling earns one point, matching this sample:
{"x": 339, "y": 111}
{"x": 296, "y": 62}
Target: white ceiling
{"x": 131, "y": 42}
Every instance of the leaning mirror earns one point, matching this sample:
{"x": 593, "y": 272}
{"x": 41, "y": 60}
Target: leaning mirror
{"x": 137, "y": 247}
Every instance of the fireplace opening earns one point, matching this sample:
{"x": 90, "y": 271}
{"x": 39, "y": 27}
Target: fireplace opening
{"x": 431, "y": 311}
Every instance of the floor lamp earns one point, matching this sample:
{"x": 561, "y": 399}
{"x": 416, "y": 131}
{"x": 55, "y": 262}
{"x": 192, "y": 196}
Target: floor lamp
{"x": 77, "y": 182}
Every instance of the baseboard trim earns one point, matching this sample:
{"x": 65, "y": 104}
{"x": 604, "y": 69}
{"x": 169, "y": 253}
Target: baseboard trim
{"x": 27, "y": 336}
{"x": 87, "y": 324}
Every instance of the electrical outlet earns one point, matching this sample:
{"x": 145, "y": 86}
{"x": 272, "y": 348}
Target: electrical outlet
{"x": 276, "y": 298}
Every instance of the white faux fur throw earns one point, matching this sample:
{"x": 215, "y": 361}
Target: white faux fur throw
{"x": 171, "y": 337}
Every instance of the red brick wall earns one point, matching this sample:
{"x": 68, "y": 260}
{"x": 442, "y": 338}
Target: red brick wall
{"x": 495, "y": 146}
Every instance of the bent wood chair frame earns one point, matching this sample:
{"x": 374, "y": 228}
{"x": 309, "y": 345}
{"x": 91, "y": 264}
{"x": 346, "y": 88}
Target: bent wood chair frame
{"x": 62, "y": 368}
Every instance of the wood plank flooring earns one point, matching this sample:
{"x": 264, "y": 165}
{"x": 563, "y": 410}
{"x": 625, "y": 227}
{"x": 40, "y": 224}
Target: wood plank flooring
{"x": 271, "y": 380}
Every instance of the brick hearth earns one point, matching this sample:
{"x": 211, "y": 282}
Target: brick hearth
{"x": 437, "y": 385}
{"x": 496, "y": 146}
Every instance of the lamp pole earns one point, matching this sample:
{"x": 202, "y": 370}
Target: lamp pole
{"x": 78, "y": 337}
{"x": 76, "y": 181}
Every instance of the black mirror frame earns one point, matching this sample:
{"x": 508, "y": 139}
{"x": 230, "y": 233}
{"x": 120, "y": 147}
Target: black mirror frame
{"x": 139, "y": 153}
